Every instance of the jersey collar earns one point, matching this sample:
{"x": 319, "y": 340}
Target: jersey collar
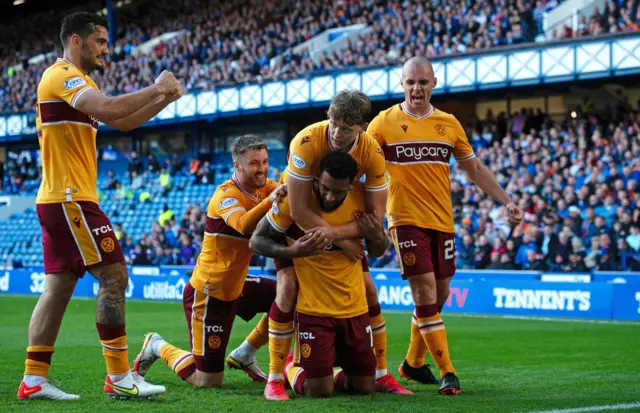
{"x": 65, "y": 60}
{"x": 405, "y": 110}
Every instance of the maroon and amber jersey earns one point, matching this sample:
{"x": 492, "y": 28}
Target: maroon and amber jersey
{"x": 67, "y": 137}
{"x": 417, "y": 151}
{"x": 312, "y": 144}
{"x": 224, "y": 261}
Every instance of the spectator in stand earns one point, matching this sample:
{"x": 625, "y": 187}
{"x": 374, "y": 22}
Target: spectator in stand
{"x": 224, "y": 43}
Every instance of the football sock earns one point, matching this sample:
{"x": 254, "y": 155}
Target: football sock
{"x": 181, "y": 362}
{"x": 417, "y": 347}
{"x": 114, "y": 348}
{"x": 36, "y": 366}
{"x": 259, "y": 337}
{"x": 379, "y": 330}
{"x": 296, "y": 376}
{"x": 280, "y": 336}
{"x": 340, "y": 381}
{"x": 435, "y": 335}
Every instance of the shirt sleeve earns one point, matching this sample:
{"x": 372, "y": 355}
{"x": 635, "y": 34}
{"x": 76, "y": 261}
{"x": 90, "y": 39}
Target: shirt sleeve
{"x": 375, "y": 129}
{"x": 462, "y": 150}
{"x": 376, "y": 176}
{"x": 279, "y": 216}
{"x": 69, "y": 84}
{"x": 303, "y": 156}
{"x": 226, "y": 204}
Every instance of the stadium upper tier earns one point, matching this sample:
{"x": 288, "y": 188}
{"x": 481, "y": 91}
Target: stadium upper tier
{"x": 225, "y": 43}
{"x": 577, "y": 180}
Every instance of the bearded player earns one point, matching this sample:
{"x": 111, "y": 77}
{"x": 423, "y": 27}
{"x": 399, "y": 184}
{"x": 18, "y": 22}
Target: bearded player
{"x": 343, "y": 132}
{"x": 219, "y": 288}
{"x": 69, "y": 106}
{"x": 418, "y": 141}
{"x": 332, "y": 316}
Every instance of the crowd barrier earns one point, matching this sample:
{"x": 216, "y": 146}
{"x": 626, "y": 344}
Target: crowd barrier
{"x": 602, "y": 295}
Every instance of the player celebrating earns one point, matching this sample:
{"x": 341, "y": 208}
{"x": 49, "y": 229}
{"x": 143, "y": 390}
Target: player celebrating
{"x": 76, "y": 235}
{"x": 418, "y": 141}
{"x": 343, "y": 132}
{"x": 331, "y": 310}
{"x": 217, "y": 290}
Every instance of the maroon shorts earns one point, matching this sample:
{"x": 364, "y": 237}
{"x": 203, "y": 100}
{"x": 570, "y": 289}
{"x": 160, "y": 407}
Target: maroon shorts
{"x": 282, "y": 264}
{"x": 76, "y": 235}
{"x": 325, "y": 342}
{"x": 422, "y": 251}
{"x": 210, "y": 320}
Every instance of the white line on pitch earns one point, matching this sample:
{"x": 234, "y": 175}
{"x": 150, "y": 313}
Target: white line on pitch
{"x": 594, "y": 408}
{"x": 531, "y": 318}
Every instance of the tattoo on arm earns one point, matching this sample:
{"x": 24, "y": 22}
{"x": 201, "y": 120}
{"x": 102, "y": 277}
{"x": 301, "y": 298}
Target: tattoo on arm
{"x": 110, "y": 303}
{"x": 378, "y": 247}
{"x": 269, "y": 242}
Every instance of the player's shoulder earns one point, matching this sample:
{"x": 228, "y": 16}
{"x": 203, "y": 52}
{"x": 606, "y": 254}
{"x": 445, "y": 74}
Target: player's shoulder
{"x": 311, "y": 135}
{"x": 60, "y": 76}
{"x": 367, "y": 141}
{"x": 227, "y": 189}
{"x": 65, "y": 70}
{"x": 388, "y": 114}
{"x": 281, "y": 207}
{"x": 441, "y": 116}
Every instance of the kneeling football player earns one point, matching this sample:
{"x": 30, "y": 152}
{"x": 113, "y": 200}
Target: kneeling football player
{"x": 332, "y": 317}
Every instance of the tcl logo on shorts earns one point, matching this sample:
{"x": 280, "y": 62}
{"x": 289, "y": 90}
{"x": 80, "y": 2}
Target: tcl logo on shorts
{"x": 102, "y": 230}
{"x": 307, "y": 336}
{"x": 407, "y": 244}
{"x": 215, "y": 329}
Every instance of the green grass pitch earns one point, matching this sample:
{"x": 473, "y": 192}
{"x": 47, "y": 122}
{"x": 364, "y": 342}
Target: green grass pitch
{"x": 504, "y": 365}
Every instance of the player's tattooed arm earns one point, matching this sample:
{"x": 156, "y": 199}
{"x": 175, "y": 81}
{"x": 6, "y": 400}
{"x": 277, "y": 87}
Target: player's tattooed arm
{"x": 270, "y": 242}
{"x": 110, "y": 303}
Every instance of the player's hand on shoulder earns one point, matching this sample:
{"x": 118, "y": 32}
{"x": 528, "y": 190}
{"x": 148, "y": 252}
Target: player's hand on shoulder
{"x": 309, "y": 244}
{"x": 278, "y": 194}
{"x": 514, "y": 214}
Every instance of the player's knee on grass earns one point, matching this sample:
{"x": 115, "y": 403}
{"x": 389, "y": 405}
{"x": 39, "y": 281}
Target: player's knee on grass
{"x": 423, "y": 288}
{"x": 370, "y": 290}
{"x": 362, "y": 384}
{"x": 203, "y": 379}
{"x": 287, "y": 289}
{"x": 320, "y": 387}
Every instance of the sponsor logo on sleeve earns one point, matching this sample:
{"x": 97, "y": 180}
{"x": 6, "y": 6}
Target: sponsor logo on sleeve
{"x": 227, "y": 202}
{"x": 74, "y": 83}
{"x": 298, "y": 162}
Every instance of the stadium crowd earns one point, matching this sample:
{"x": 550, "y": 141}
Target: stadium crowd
{"x": 576, "y": 179}
{"x": 234, "y": 42}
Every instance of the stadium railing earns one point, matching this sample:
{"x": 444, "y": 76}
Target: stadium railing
{"x": 600, "y": 295}
{"x": 598, "y": 57}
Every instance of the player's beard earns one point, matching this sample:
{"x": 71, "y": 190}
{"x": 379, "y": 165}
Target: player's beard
{"x": 253, "y": 181}
{"x": 90, "y": 59}
{"x": 322, "y": 202}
